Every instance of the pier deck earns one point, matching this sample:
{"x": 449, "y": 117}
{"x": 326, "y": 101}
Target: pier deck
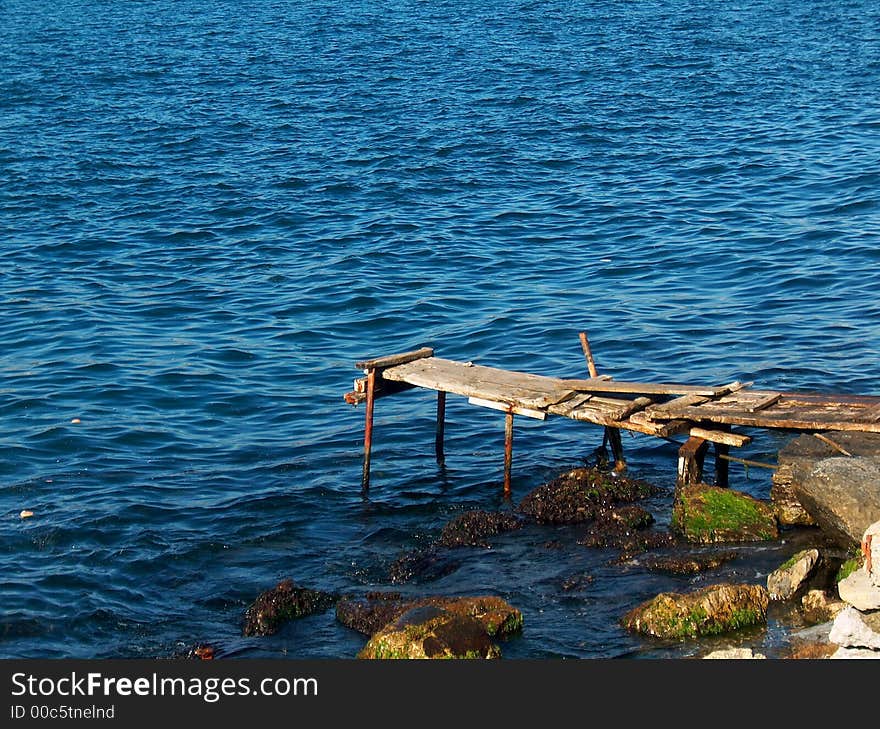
{"x": 706, "y": 413}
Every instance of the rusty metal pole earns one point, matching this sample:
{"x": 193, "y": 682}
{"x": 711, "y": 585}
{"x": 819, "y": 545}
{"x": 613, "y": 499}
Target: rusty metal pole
{"x": 508, "y": 451}
{"x": 441, "y": 425}
{"x": 368, "y": 429}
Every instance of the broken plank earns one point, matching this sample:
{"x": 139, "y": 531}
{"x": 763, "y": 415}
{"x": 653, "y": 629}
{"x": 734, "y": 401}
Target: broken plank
{"x": 392, "y": 360}
{"x": 763, "y": 403}
{"x": 640, "y": 403}
{"x": 676, "y": 404}
{"x": 508, "y": 408}
{"x": 569, "y": 403}
{"x": 721, "y": 436}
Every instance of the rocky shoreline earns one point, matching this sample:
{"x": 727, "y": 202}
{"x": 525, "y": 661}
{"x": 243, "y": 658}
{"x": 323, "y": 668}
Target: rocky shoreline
{"x": 832, "y": 586}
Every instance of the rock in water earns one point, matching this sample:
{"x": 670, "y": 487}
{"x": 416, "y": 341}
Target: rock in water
{"x": 708, "y": 611}
{"x": 705, "y": 514}
{"x": 429, "y": 631}
{"x": 283, "y": 602}
{"x": 788, "y": 578}
{"x": 580, "y": 494}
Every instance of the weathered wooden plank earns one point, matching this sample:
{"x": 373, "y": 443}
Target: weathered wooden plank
{"x": 507, "y": 407}
{"x": 382, "y": 389}
{"x": 640, "y": 388}
{"x": 665, "y": 408}
{"x": 763, "y": 402}
{"x": 395, "y": 359}
{"x": 795, "y": 419}
{"x": 871, "y": 414}
{"x": 721, "y": 436}
{"x": 569, "y": 403}
{"x": 488, "y": 383}
{"x": 640, "y": 403}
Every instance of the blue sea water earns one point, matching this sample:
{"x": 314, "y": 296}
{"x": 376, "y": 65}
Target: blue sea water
{"x": 210, "y": 210}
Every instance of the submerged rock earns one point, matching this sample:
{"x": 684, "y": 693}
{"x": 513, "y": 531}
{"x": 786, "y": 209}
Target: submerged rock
{"x": 471, "y": 528}
{"x": 705, "y": 514}
{"x": 686, "y": 563}
{"x": 422, "y": 566}
{"x": 580, "y": 494}
{"x": 429, "y": 631}
{"x": 817, "y": 607}
{"x": 709, "y": 611}
{"x": 375, "y": 610}
{"x": 734, "y": 654}
{"x": 282, "y": 603}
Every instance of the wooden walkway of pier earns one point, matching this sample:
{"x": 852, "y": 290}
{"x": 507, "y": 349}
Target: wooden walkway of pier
{"x": 706, "y": 414}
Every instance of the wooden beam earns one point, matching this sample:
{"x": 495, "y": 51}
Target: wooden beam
{"x": 392, "y": 360}
{"x": 721, "y": 436}
{"x": 507, "y": 407}
{"x": 871, "y": 414}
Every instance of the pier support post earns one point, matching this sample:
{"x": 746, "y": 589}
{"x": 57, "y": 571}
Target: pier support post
{"x": 508, "y": 451}
{"x": 690, "y": 460}
{"x": 614, "y": 440}
{"x": 721, "y": 464}
{"x": 612, "y": 435}
{"x": 368, "y": 428}
{"x": 441, "y": 425}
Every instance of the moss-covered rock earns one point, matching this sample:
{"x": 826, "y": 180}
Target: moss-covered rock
{"x": 709, "y": 611}
{"x": 580, "y": 494}
{"x": 374, "y": 611}
{"x": 283, "y": 602}
{"x": 429, "y": 631}
{"x": 704, "y": 514}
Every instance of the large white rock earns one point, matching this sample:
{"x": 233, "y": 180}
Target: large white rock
{"x": 852, "y": 629}
{"x": 858, "y": 591}
{"x": 855, "y": 653}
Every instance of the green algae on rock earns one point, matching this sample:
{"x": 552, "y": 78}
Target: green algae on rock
{"x": 705, "y": 514}
{"x": 429, "y": 631}
{"x": 711, "y": 610}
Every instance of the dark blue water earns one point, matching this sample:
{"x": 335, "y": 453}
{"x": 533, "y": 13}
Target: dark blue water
{"x": 210, "y": 210}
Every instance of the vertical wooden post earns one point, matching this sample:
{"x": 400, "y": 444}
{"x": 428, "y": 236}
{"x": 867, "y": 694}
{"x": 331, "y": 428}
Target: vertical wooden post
{"x": 441, "y": 424}
{"x": 508, "y": 451}
{"x": 721, "y": 465}
{"x": 614, "y": 441}
{"x": 690, "y": 460}
{"x": 588, "y": 353}
{"x": 368, "y": 429}
{"x": 612, "y": 434}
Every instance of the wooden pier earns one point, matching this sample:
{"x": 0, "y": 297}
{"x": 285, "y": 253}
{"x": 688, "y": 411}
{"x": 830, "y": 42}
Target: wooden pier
{"x": 705, "y": 414}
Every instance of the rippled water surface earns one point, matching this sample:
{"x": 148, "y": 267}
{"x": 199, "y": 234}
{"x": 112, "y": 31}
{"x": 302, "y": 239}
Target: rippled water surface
{"x": 209, "y": 211}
